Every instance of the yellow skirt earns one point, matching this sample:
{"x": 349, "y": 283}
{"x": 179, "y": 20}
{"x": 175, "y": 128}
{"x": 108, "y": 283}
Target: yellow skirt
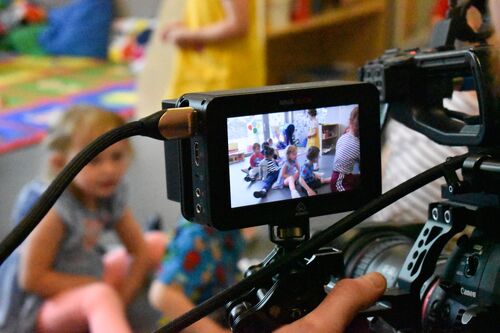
{"x": 314, "y": 141}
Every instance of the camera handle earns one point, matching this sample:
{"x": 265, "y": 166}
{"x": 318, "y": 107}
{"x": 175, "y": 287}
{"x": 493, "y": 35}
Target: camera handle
{"x": 290, "y": 294}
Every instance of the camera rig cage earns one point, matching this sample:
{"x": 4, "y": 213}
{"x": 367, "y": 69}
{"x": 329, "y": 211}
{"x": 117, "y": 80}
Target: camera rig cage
{"x": 197, "y": 172}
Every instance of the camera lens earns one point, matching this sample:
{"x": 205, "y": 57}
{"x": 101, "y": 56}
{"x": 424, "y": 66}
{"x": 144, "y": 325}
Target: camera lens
{"x": 380, "y": 249}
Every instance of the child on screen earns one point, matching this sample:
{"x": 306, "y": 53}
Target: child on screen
{"x": 253, "y": 170}
{"x": 313, "y": 134}
{"x": 269, "y": 172}
{"x": 290, "y": 171}
{"x": 346, "y": 156}
{"x": 308, "y": 179}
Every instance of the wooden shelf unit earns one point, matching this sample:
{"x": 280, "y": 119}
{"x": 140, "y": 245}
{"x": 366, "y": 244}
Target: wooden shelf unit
{"x": 328, "y": 136}
{"x": 329, "y": 17}
{"x": 352, "y": 33}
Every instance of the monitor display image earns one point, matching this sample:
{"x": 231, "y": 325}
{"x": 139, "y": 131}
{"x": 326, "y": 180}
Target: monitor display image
{"x": 294, "y": 154}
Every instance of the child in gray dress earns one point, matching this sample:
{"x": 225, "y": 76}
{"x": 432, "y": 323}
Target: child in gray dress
{"x": 290, "y": 171}
{"x": 60, "y": 281}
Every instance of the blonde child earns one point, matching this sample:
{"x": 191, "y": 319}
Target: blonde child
{"x": 308, "y": 179}
{"x": 61, "y": 282}
{"x": 290, "y": 170}
{"x": 218, "y": 47}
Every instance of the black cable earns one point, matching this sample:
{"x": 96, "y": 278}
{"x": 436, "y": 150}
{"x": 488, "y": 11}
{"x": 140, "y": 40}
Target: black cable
{"x": 147, "y": 126}
{"x": 308, "y": 248}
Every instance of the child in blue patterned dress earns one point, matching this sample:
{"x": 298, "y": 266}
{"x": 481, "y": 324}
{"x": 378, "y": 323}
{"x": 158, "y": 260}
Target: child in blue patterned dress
{"x": 308, "y": 179}
{"x": 199, "y": 262}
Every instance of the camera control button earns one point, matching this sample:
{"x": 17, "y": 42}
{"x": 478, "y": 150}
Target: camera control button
{"x": 473, "y": 311}
{"x": 471, "y": 264}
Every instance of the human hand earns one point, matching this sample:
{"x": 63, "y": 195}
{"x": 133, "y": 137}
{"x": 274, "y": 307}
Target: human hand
{"x": 340, "y": 306}
{"x": 311, "y": 193}
{"x": 168, "y": 28}
{"x": 177, "y": 33}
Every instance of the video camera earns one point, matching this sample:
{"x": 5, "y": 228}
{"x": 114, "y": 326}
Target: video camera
{"x": 458, "y": 290}
{"x": 430, "y": 290}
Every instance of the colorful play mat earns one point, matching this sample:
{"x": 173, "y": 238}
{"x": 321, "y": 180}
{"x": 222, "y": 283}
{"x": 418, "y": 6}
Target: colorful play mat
{"x": 35, "y": 90}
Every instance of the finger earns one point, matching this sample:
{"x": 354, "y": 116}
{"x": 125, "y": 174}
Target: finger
{"x": 347, "y": 298}
{"x": 168, "y": 29}
{"x": 350, "y": 296}
{"x": 341, "y": 305}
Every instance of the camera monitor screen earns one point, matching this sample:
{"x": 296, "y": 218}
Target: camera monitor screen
{"x": 295, "y": 154}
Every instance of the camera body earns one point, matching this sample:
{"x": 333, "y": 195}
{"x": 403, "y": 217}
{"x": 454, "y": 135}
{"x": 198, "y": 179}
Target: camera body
{"x": 467, "y": 296}
{"x": 211, "y": 188}
{"x": 460, "y": 291}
